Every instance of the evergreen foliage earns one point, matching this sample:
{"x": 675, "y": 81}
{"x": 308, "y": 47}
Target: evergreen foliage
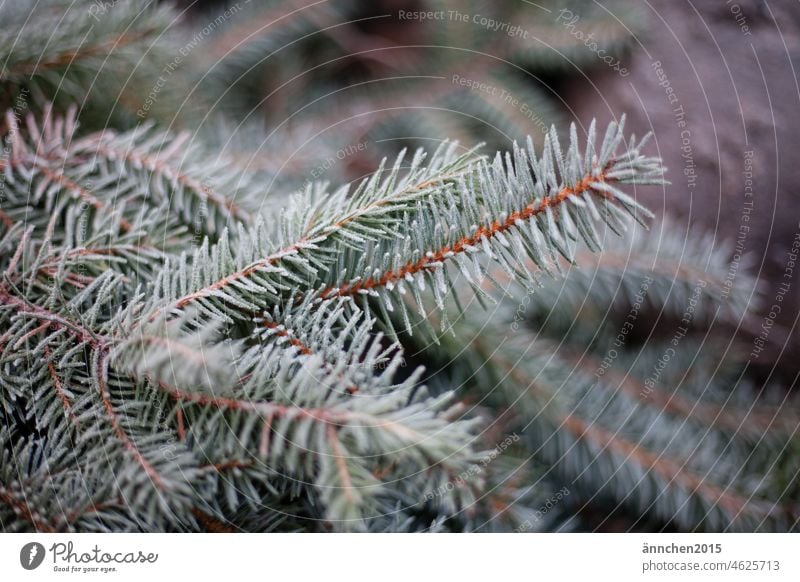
{"x": 191, "y": 344}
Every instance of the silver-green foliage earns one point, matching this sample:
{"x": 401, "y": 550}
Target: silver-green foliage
{"x": 98, "y": 55}
{"x": 246, "y": 371}
{"x": 626, "y": 394}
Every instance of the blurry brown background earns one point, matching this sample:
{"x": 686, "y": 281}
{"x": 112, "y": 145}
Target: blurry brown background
{"x": 740, "y": 93}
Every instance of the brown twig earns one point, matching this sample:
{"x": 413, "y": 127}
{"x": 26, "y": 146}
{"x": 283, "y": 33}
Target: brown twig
{"x": 431, "y": 260}
{"x": 123, "y": 437}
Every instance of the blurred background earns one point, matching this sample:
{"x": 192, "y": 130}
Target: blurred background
{"x": 339, "y": 84}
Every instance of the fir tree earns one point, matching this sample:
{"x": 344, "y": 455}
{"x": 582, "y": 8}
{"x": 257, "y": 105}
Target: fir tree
{"x": 182, "y": 348}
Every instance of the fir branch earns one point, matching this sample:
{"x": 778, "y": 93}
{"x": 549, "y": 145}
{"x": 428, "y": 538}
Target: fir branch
{"x": 54, "y": 320}
{"x": 756, "y": 421}
{"x": 456, "y": 187}
{"x": 82, "y": 193}
{"x": 434, "y": 259}
{"x": 702, "y": 490}
{"x": 242, "y": 275}
{"x": 138, "y": 150}
{"x": 23, "y": 510}
{"x": 674, "y": 472}
{"x": 69, "y": 56}
{"x": 280, "y": 331}
{"x": 57, "y": 385}
{"x": 321, "y": 224}
{"x": 101, "y": 372}
{"x": 343, "y": 420}
{"x": 522, "y": 207}
{"x": 72, "y": 54}
{"x": 209, "y": 523}
{"x": 116, "y": 172}
{"x": 677, "y": 475}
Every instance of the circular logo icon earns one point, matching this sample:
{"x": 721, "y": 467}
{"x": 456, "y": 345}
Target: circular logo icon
{"x": 31, "y": 555}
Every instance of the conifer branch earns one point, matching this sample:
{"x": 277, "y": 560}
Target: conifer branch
{"x": 119, "y": 430}
{"x": 23, "y": 510}
{"x": 211, "y": 524}
{"x": 347, "y": 220}
{"x": 68, "y": 57}
{"x": 435, "y": 258}
{"x": 161, "y": 163}
{"x": 280, "y": 331}
{"x": 444, "y": 199}
{"x": 55, "y": 320}
{"x": 57, "y": 385}
{"x": 675, "y": 473}
{"x": 71, "y": 53}
{"x": 757, "y": 420}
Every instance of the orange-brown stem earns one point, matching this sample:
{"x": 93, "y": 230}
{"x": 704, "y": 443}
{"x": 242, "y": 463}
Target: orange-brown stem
{"x": 300, "y": 346}
{"x": 460, "y": 246}
{"x": 126, "y": 441}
